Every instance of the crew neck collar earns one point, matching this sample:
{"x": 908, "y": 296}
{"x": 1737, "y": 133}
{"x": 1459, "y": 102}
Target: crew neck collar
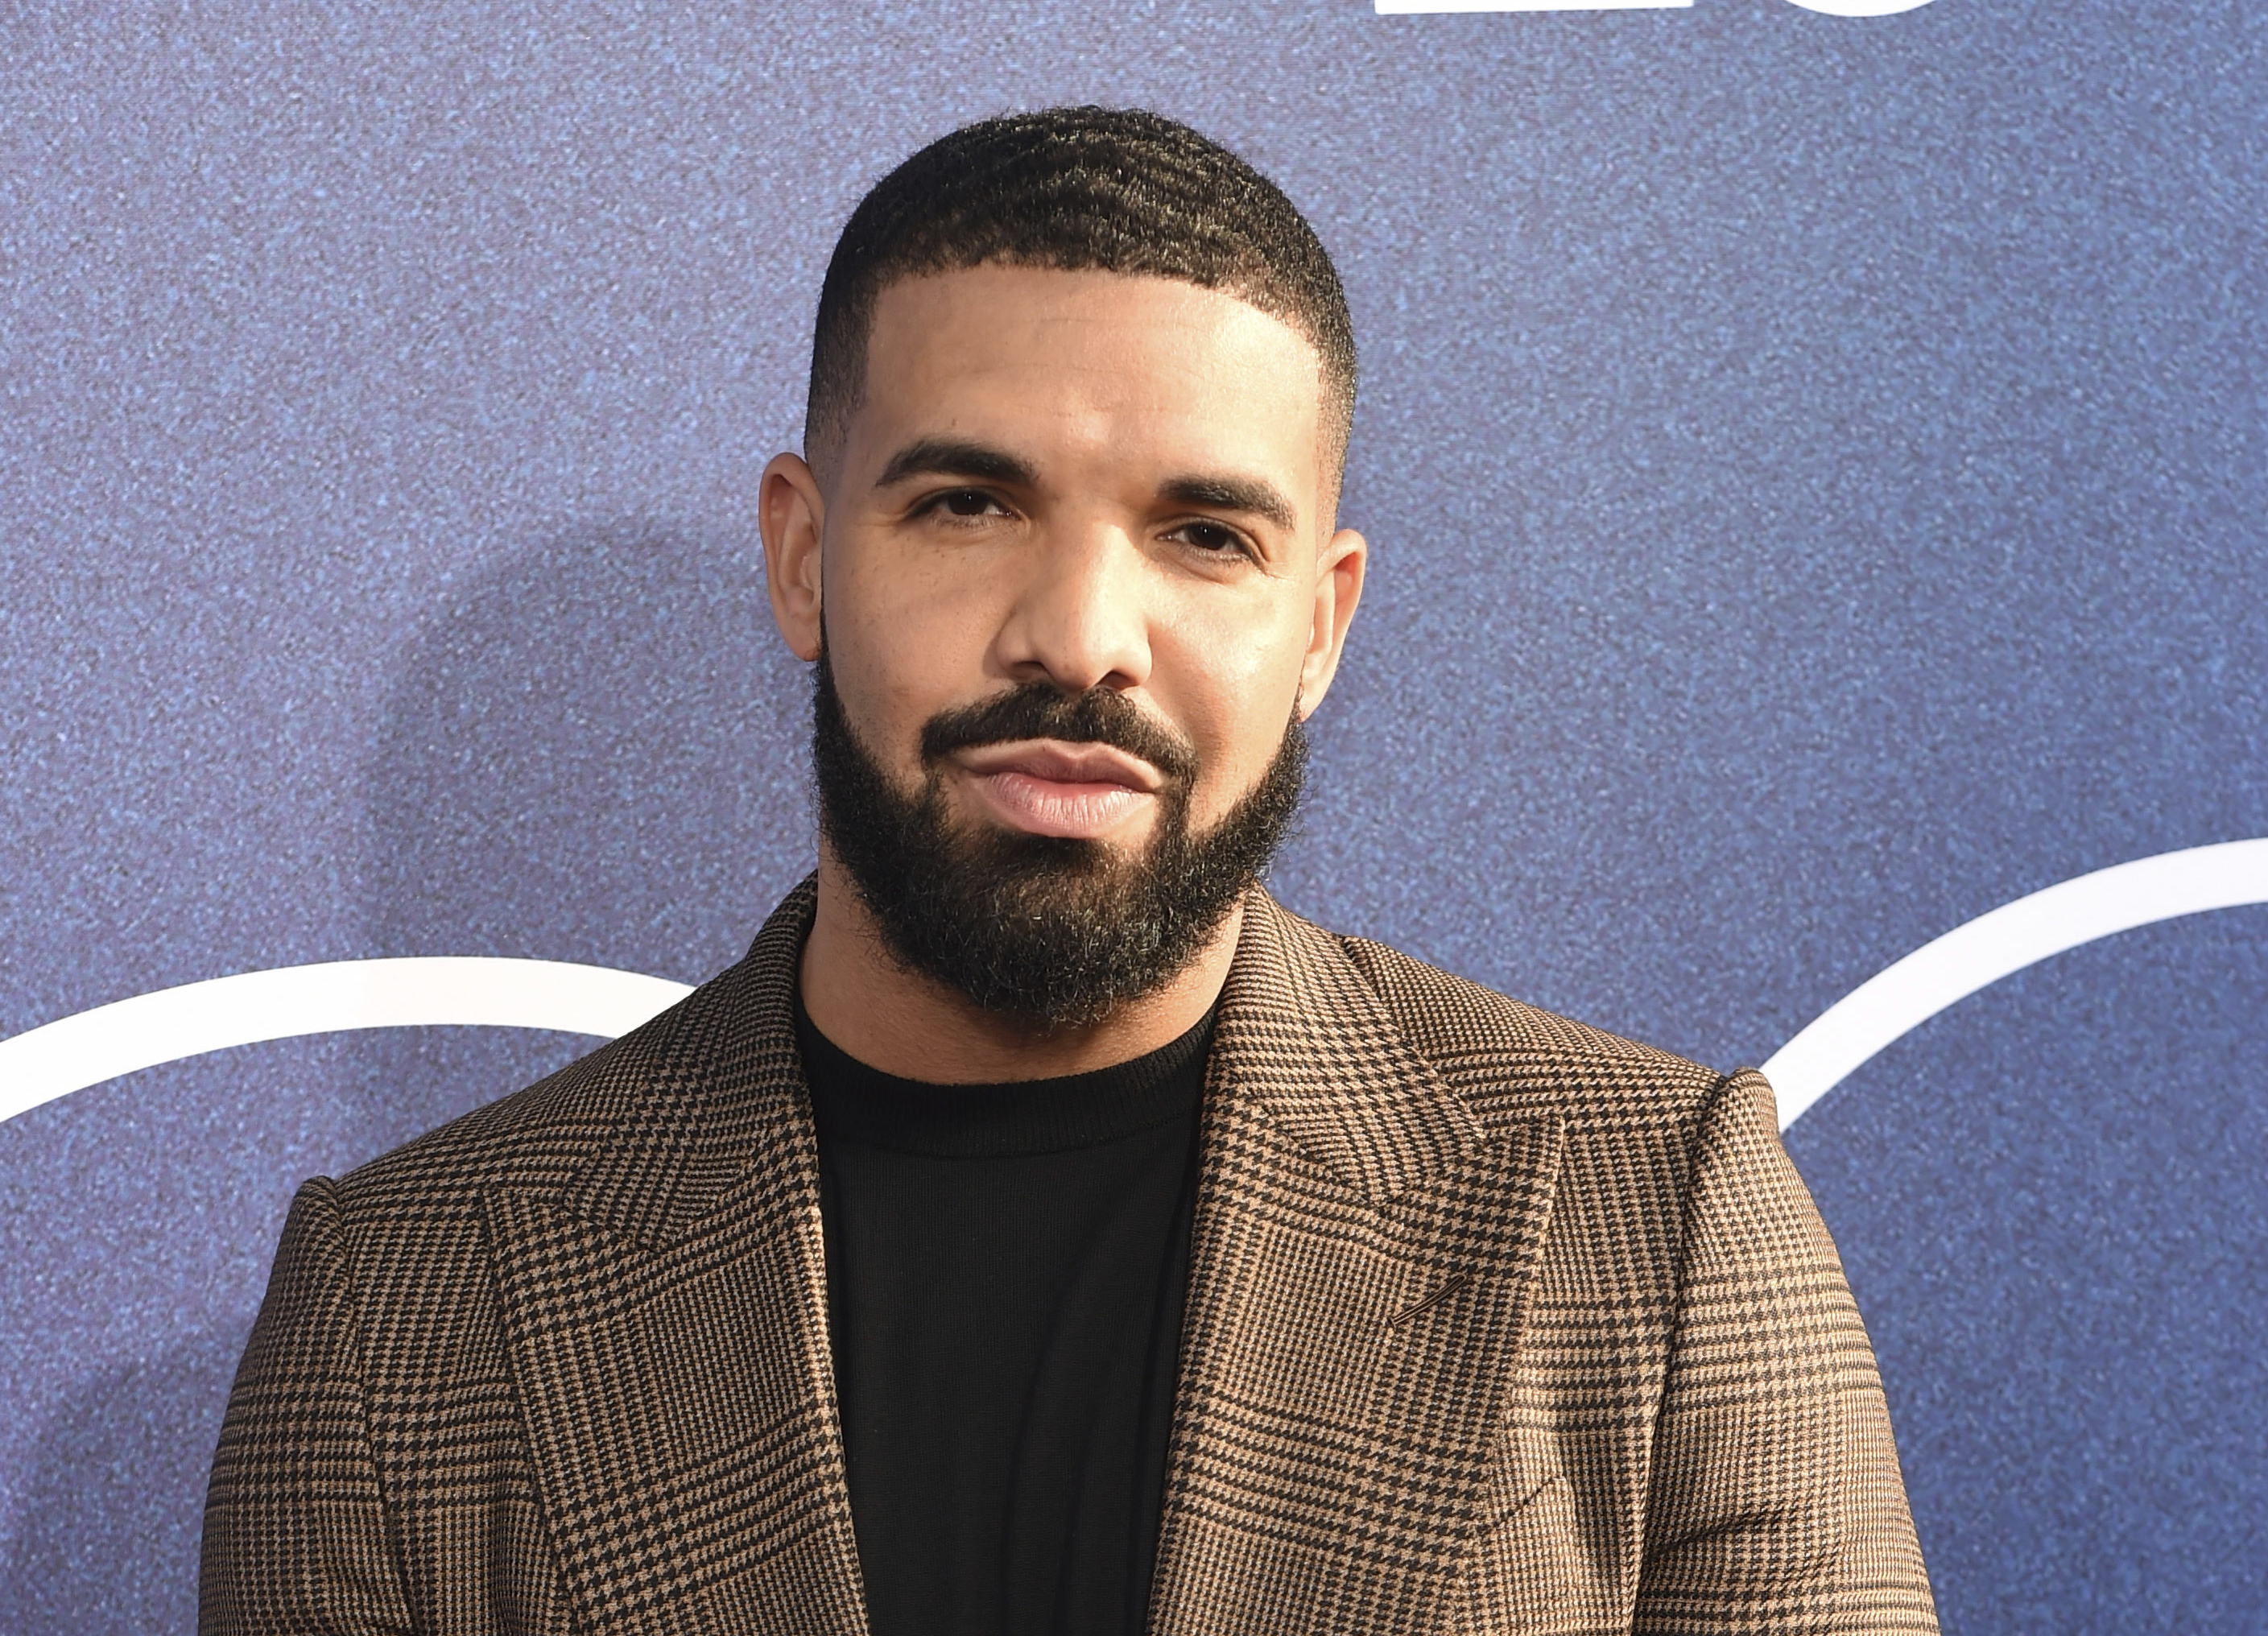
{"x": 854, "y": 1102}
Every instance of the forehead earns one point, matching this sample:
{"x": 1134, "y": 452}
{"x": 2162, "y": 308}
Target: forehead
{"x": 1153, "y": 367}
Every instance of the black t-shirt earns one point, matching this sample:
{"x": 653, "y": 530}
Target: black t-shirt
{"x": 1006, "y": 1266}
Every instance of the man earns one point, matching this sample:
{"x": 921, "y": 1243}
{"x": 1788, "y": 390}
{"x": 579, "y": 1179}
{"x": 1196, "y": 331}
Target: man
{"x": 1040, "y": 1230}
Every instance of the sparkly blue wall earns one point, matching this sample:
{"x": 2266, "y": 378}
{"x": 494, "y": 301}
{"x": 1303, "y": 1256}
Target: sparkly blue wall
{"x": 1817, "y": 469}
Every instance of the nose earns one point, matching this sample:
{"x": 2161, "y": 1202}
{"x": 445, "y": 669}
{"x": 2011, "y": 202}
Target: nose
{"x": 1080, "y": 619}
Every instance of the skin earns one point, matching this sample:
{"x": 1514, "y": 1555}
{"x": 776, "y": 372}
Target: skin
{"x": 1079, "y": 478}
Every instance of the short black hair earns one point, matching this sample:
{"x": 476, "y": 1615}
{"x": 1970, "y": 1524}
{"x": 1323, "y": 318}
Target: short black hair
{"x": 1078, "y": 190}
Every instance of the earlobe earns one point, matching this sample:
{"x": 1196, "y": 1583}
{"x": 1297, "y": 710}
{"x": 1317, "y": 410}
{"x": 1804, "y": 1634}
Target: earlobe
{"x": 791, "y": 511}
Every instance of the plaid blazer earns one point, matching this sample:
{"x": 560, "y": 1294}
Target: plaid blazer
{"x": 1495, "y": 1324}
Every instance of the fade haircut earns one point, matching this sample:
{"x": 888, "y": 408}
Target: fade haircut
{"x": 1078, "y": 190}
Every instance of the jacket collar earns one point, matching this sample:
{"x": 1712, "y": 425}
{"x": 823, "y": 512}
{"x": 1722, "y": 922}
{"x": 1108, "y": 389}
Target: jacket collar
{"x": 1299, "y": 1030}
{"x": 1302, "y": 1033}
{"x": 719, "y": 1096}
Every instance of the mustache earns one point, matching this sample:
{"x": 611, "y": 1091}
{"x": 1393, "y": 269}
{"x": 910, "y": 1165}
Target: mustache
{"x": 1036, "y": 710}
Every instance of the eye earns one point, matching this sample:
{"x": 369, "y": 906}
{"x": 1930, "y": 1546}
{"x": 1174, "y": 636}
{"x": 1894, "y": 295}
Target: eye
{"x": 1212, "y": 539}
{"x": 966, "y": 503}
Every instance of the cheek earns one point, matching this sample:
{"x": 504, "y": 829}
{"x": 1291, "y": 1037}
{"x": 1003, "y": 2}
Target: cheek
{"x": 904, "y": 644}
{"x": 1230, "y": 689}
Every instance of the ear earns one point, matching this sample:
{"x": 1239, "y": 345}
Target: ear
{"x": 792, "y": 513}
{"x": 1338, "y": 588}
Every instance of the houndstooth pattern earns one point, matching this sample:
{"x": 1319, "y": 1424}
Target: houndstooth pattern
{"x": 1495, "y": 1324}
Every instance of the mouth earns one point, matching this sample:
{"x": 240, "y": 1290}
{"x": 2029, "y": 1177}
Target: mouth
{"x": 1047, "y": 786}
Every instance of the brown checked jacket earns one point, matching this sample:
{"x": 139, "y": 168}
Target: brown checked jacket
{"x": 1495, "y": 1324}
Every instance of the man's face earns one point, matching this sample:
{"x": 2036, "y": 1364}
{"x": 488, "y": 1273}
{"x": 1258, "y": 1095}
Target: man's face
{"x": 1080, "y": 486}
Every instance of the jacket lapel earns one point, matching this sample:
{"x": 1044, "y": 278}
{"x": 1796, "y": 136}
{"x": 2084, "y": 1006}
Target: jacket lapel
{"x": 667, "y": 1316}
{"x": 1358, "y": 1280}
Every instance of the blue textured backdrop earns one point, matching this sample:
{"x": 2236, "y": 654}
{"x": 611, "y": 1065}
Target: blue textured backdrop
{"x": 1817, "y": 468}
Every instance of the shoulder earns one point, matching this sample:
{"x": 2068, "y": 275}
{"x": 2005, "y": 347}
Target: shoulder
{"x": 406, "y": 1240}
{"x": 536, "y": 1139}
{"x": 1509, "y": 1060}
{"x": 1663, "y": 1161}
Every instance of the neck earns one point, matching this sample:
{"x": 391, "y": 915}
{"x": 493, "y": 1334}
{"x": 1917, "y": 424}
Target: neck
{"x": 906, "y": 1024}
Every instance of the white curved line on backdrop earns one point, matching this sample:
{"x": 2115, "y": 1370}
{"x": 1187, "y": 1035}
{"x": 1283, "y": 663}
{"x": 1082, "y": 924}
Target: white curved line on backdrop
{"x": 74, "y": 1052}
{"x": 77, "y": 1052}
{"x": 1902, "y": 998}
{"x": 1861, "y": 8}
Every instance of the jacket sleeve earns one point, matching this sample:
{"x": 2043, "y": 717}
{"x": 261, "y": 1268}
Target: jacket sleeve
{"x": 295, "y": 1537}
{"x": 1775, "y": 1502}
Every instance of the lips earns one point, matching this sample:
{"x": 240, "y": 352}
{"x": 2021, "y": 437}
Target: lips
{"x": 1056, "y": 761}
{"x": 1080, "y": 792}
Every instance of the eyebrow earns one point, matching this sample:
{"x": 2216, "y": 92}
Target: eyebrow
{"x": 956, "y": 457}
{"x": 1233, "y": 494}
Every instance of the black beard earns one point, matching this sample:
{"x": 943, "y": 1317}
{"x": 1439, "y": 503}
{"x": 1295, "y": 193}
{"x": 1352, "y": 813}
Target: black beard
{"x": 1055, "y": 929}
